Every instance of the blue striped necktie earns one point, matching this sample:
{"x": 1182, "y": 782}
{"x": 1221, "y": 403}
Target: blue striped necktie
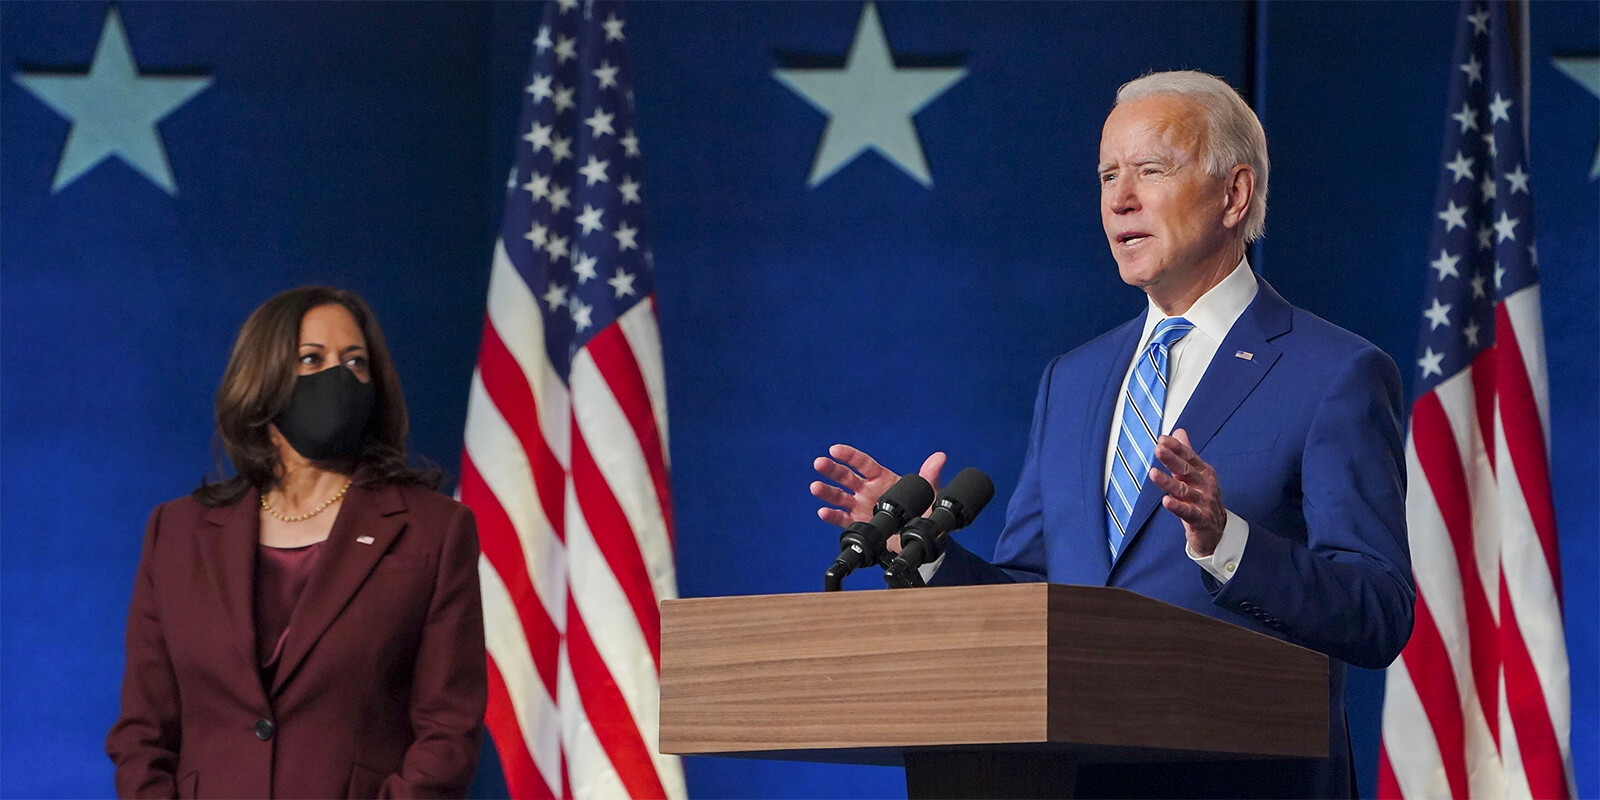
{"x": 1138, "y": 427}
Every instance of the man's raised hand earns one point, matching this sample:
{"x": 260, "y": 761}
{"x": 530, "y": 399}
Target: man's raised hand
{"x": 863, "y": 481}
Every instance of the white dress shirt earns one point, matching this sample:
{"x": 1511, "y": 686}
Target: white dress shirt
{"x": 1213, "y": 316}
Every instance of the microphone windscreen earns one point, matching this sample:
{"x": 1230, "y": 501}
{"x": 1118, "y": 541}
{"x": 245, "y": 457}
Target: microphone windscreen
{"x": 912, "y": 494}
{"x": 971, "y": 490}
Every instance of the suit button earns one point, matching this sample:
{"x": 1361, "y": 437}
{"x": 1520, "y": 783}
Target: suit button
{"x": 1247, "y": 606}
{"x": 265, "y": 729}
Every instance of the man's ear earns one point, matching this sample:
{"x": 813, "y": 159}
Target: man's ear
{"x": 1240, "y": 189}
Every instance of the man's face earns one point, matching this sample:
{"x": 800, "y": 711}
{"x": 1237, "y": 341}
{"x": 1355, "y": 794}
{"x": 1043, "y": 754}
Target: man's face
{"x": 1162, "y": 212}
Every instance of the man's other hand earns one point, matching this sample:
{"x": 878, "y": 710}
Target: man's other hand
{"x": 1193, "y": 493}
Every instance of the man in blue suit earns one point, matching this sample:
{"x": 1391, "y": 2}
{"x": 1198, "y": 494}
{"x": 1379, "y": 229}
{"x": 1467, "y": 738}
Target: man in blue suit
{"x": 1278, "y": 437}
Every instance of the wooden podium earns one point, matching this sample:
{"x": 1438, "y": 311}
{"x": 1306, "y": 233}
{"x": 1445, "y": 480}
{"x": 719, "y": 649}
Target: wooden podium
{"x": 981, "y": 691}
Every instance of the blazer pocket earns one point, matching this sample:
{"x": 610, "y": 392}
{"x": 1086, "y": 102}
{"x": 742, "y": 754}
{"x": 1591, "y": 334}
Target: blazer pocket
{"x": 189, "y": 785}
{"x": 364, "y": 783}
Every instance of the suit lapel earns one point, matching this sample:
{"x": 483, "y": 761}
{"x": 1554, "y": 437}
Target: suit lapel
{"x": 1229, "y": 379}
{"x": 230, "y": 555}
{"x": 342, "y": 568}
{"x": 1096, "y": 438}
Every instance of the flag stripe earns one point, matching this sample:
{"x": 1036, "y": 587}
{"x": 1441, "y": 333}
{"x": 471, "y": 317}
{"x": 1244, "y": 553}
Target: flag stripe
{"x": 522, "y": 777}
{"x": 608, "y": 714}
{"x": 527, "y": 701}
{"x": 505, "y": 472}
{"x": 1388, "y": 787}
{"x": 644, "y": 338}
{"x": 512, "y": 396}
{"x": 1418, "y": 769}
{"x": 1441, "y": 465}
{"x": 614, "y": 359}
{"x": 615, "y": 540}
{"x": 1440, "y": 701}
{"x": 603, "y": 425}
{"x": 519, "y": 320}
{"x": 1525, "y": 441}
{"x": 1540, "y": 752}
{"x": 498, "y": 540}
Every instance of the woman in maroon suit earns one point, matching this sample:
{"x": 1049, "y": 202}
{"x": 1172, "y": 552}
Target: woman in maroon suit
{"x": 310, "y": 627}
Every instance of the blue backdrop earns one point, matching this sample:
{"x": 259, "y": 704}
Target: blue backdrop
{"x": 366, "y": 145}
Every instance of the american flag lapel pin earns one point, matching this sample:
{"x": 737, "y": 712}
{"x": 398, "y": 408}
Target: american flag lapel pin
{"x": 1244, "y": 354}
{"x": 364, "y": 539}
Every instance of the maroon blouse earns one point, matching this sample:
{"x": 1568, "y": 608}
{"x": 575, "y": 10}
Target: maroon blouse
{"x": 281, "y": 575}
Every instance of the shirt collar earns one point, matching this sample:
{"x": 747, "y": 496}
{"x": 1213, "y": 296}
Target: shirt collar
{"x": 1216, "y": 310}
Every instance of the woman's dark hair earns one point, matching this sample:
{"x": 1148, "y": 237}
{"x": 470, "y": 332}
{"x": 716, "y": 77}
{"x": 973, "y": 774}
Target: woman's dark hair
{"x": 260, "y": 378}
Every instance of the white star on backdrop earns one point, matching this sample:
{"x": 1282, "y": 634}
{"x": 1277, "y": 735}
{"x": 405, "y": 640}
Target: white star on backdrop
{"x": 869, "y": 103}
{"x": 1462, "y": 167}
{"x": 1586, "y": 71}
{"x": 114, "y": 110}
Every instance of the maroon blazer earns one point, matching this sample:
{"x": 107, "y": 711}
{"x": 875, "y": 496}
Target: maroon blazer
{"x": 381, "y": 685}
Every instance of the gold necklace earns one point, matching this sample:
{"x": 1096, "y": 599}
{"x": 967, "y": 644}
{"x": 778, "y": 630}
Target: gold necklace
{"x": 267, "y": 507}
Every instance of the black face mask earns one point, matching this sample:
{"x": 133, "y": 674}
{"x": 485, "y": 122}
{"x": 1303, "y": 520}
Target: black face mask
{"x": 327, "y": 414}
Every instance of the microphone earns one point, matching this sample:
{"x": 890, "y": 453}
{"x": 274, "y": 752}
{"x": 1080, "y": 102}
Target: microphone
{"x": 862, "y": 542}
{"x": 922, "y": 539}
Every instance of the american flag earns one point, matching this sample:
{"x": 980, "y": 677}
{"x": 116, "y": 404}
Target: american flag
{"x": 1478, "y": 704}
{"x": 565, "y": 460}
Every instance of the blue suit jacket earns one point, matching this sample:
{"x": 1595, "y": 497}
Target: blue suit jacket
{"x": 1303, "y": 429}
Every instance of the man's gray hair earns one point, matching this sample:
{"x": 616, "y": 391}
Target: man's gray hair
{"x": 1233, "y": 137}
